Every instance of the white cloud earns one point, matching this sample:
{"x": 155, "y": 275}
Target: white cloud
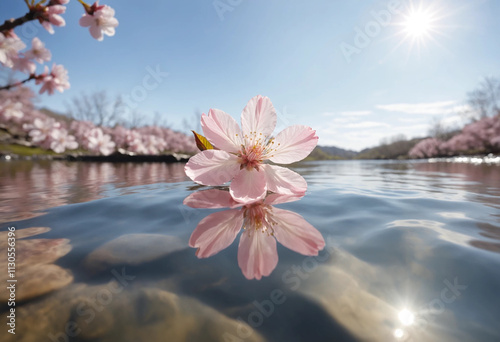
{"x": 357, "y": 113}
{"x": 427, "y": 108}
{"x": 367, "y": 124}
{"x": 343, "y": 120}
{"x": 453, "y": 121}
{"x": 413, "y": 119}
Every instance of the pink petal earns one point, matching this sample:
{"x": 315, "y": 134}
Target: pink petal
{"x": 96, "y": 32}
{"x": 248, "y": 186}
{"x": 109, "y": 31}
{"x": 212, "y": 167}
{"x": 86, "y": 20}
{"x": 274, "y": 199}
{"x": 221, "y": 130}
{"x": 295, "y": 233}
{"x": 212, "y": 198}
{"x": 259, "y": 116}
{"x": 294, "y": 143}
{"x": 216, "y": 232}
{"x": 48, "y": 27}
{"x": 257, "y": 254}
{"x": 284, "y": 181}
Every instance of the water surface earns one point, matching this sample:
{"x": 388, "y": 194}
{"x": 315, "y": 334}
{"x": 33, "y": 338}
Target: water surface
{"x": 412, "y": 254}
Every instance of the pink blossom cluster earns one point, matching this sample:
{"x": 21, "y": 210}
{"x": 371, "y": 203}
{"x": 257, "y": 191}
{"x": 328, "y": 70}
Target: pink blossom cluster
{"x": 482, "y": 136}
{"x": 98, "y": 18}
{"x": 238, "y": 156}
{"x": 49, "y": 134}
{"x": 151, "y": 140}
{"x": 20, "y": 118}
{"x": 16, "y": 108}
{"x": 12, "y": 57}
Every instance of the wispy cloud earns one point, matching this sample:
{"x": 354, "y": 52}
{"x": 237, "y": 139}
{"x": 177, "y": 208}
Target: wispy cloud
{"x": 426, "y": 108}
{"x": 356, "y": 113}
{"x": 367, "y": 124}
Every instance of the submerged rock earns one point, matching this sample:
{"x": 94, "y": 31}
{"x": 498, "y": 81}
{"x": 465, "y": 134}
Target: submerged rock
{"x": 364, "y": 299}
{"x": 41, "y": 279}
{"x": 113, "y": 312}
{"x": 39, "y": 251}
{"x": 34, "y": 270}
{"x": 132, "y": 249}
{"x": 21, "y": 234}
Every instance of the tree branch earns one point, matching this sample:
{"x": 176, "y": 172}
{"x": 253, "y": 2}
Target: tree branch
{"x": 9, "y": 24}
{"x": 9, "y": 86}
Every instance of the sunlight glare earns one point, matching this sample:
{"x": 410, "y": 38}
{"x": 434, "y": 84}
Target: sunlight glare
{"x": 418, "y": 23}
{"x": 399, "y": 333}
{"x": 406, "y": 317}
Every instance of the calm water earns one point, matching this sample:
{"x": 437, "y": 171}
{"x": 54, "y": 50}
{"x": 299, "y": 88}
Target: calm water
{"x": 412, "y": 254}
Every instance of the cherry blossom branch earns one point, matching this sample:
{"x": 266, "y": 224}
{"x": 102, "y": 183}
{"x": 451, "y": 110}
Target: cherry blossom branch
{"x": 9, "y": 24}
{"x": 17, "y": 84}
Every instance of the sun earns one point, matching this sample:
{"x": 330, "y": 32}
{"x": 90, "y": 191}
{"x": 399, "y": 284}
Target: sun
{"x": 418, "y": 23}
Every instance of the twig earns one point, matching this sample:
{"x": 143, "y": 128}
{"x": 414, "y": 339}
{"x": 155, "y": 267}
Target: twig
{"x": 9, "y": 24}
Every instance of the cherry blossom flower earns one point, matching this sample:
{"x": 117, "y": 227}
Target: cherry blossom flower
{"x": 134, "y": 142}
{"x": 38, "y": 52}
{"x": 49, "y": 15}
{"x": 100, "y": 20}
{"x": 41, "y": 130}
{"x": 11, "y": 110}
{"x": 10, "y": 45}
{"x": 263, "y": 225}
{"x": 62, "y": 141}
{"x": 100, "y": 142}
{"x": 25, "y": 65}
{"x": 57, "y": 79}
{"x": 240, "y": 154}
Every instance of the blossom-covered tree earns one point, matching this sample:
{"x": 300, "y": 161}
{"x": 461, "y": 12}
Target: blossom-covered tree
{"x": 482, "y": 136}
{"x": 426, "y": 148}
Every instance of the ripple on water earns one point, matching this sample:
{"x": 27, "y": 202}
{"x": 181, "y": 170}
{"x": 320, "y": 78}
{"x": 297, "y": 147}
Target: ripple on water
{"x": 398, "y": 234}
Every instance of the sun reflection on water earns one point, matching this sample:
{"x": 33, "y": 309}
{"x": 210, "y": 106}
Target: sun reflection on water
{"x": 406, "y": 318}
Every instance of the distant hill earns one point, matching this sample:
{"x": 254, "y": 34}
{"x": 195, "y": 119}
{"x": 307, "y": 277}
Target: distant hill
{"x": 394, "y": 150}
{"x": 338, "y": 152}
{"x": 319, "y": 154}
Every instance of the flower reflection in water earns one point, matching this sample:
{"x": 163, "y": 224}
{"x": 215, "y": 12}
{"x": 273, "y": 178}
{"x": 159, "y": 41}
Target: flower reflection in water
{"x": 262, "y": 225}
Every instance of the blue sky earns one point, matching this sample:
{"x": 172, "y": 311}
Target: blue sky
{"x": 290, "y": 51}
